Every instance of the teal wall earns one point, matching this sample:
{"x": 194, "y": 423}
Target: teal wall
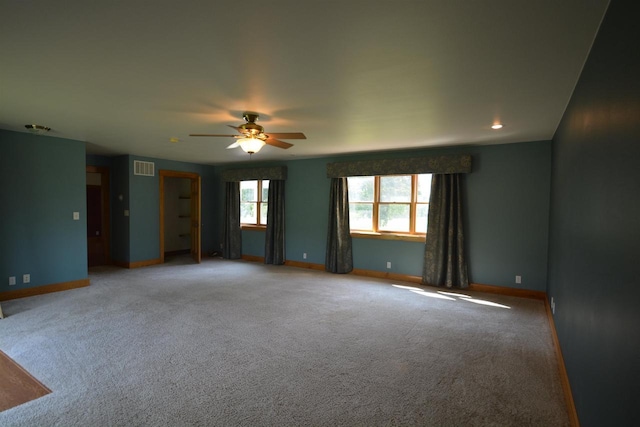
{"x": 144, "y": 206}
{"x": 136, "y": 238}
{"x": 95, "y": 160}
{"x": 506, "y": 217}
{"x": 42, "y": 182}
{"x": 595, "y": 227}
{"x": 508, "y": 214}
{"x": 307, "y": 209}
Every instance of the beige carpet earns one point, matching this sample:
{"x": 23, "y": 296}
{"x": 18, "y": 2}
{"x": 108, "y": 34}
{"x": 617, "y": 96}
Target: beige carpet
{"x": 230, "y": 343}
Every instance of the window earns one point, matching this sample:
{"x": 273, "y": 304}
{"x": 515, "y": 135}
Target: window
{"x": 253, "y": 203}
{"x": 389, "y": 205}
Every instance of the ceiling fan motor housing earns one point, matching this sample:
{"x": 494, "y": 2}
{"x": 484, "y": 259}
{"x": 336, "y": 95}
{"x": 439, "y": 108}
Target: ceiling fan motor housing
{"x": 250, "y": 116}
{"x": 251, "y": 128}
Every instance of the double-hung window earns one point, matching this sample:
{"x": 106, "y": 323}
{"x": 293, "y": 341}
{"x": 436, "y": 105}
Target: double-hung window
{"x": 253, "y": 203}
{"x": 390, "y": 205}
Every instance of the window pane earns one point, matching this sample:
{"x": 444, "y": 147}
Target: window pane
{"x": 360, "y": 188}
{"x": 361, "y": 216}
{"x": 394, "y": 217}
{"x": 248, "y": 213}
{"x": 424, "y": 188}
{"x": 265, "y": 190}
{"x": 395, "y": 188}
{"x": 422, "y": 215}
{"x": 248, "y": 191}
{"x": 263, "y": 213}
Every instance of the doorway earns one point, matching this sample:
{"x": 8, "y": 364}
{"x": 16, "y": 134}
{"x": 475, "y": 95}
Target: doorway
{"x": 98, "y": 216}
{"x": 180, "y": 230}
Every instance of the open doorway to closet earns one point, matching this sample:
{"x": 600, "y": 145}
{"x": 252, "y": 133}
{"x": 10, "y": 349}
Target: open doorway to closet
{"x": 180, "y": 214}
{"x": 98, "y": 216}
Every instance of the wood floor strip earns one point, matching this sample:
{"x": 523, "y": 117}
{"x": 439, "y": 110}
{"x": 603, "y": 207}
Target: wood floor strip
{"x": 17, "y": 386}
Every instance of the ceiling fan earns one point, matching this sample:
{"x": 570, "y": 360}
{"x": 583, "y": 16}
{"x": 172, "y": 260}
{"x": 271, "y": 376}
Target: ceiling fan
{"x": 252, "y": 136}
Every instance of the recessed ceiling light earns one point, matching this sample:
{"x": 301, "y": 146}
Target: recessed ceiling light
{"x": 496, "y": 126}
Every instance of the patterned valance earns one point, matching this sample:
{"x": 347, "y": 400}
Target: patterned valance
{"x": 434, "y": 164}
{"x": 249, "y": 174}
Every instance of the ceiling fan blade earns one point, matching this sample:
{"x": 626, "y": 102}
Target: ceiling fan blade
{"x": 286, "y": 135}
{"x": 235, "y": 127}
{"x": 211, "y": 134}
{"x": 277, "y": 143}
{"x": 234, "y": 145}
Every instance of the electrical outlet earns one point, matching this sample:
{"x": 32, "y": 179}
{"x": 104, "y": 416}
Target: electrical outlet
{"x": 76, "y": 216}
{"x": 26, "y": 278}
{"x": 388, "y": 264}
{"x": 518, "y": 279}
{"x": 12, "y": 280}
{"x": 304, "y": 255}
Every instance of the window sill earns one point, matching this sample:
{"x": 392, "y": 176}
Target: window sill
{"x": 388, "y": 236}
{"x": 254, "y": 227}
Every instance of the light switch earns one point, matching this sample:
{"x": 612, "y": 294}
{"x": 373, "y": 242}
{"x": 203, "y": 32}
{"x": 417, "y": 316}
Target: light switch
{"x": 76, "y": 216}
{"x": 126, "y": 212}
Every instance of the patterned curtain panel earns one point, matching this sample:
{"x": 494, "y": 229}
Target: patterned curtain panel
{"x": 339, "y": 257}
{"x": 444, "y": 260}
{"x": 232, "y": 247}
{"x": 274, "y": 251}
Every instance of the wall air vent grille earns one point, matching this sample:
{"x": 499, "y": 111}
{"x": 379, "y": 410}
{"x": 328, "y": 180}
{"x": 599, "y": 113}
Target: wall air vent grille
{"x": 144, "y": 168}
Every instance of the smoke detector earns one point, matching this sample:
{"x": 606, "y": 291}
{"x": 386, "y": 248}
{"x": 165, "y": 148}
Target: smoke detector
{"x": 38, "y": 129}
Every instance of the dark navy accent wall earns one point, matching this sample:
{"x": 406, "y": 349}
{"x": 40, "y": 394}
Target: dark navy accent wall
{"x": 595, "y": 226}
{"x": 506, "y": 216}
{"x": 42, "y": 182}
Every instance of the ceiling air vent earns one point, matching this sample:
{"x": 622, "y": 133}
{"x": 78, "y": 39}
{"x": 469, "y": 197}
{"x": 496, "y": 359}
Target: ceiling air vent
{"x": 144, "y": 168}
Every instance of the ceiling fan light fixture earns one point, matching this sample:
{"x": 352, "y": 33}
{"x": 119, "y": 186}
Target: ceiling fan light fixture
{"x": 252, "y": 137}
{"x": 250, "y": 145}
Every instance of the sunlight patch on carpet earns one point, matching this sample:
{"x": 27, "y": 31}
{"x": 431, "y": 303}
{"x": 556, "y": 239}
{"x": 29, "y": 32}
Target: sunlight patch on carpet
{"x": 451, "y": 296}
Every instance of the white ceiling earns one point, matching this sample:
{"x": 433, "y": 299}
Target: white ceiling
{"x": 126, "y": 76}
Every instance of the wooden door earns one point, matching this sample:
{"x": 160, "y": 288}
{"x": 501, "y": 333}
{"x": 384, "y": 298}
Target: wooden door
{"x": 97, "y": 216}
{"x": 194, "y": 232}
{"x": 195, "y": 220}
{"x": 95, "y": 245}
